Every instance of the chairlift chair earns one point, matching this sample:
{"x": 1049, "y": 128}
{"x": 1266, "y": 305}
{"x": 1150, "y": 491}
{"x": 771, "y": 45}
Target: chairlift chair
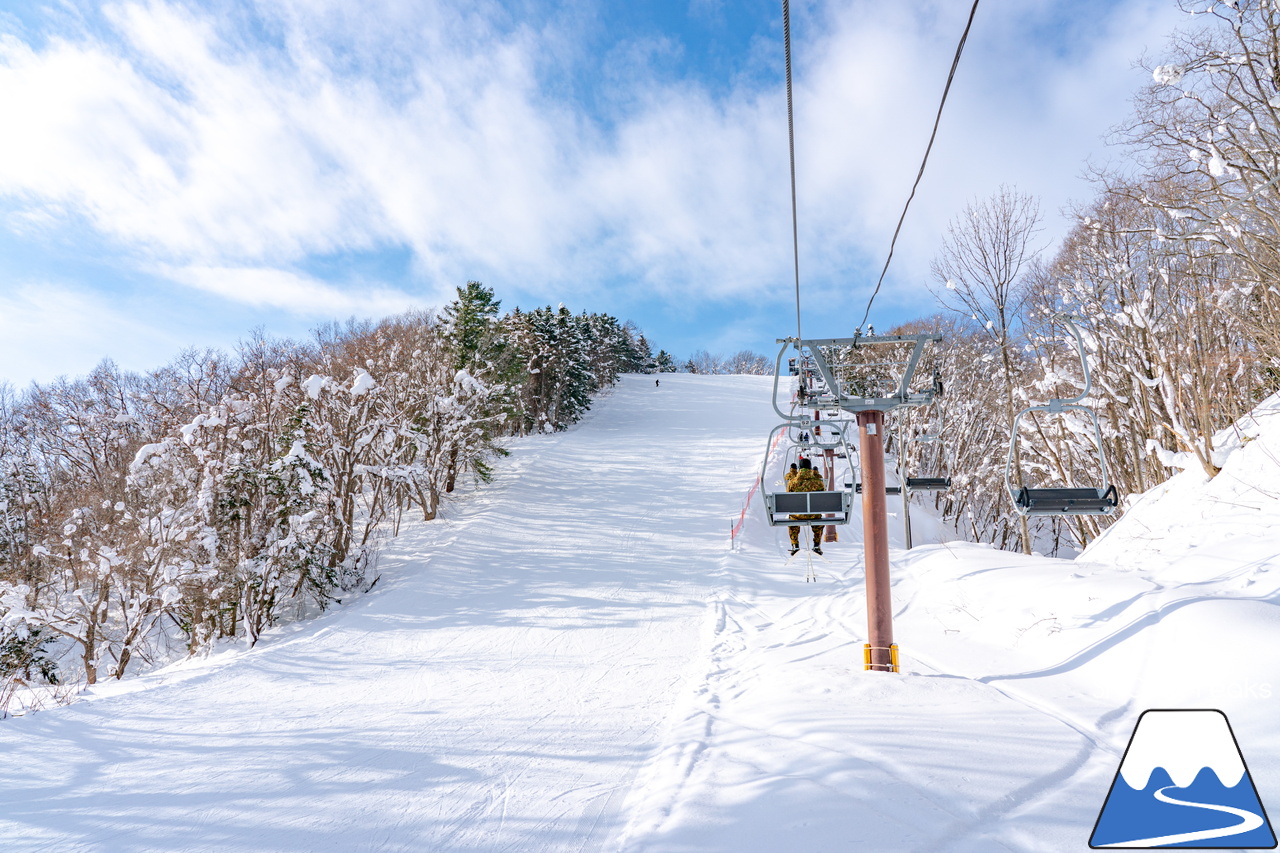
{"x": 931, "y": 484}
{"x": 833, "y": 507}
{"x": 1069, "y": 500}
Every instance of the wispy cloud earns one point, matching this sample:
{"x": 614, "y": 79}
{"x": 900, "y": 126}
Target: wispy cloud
{"x": 231, "y": 147}
{"x": 295, "y": 293}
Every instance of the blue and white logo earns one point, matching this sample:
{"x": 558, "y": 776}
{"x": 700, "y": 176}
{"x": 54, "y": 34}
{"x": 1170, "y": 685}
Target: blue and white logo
{"x": 1183, "y": 783}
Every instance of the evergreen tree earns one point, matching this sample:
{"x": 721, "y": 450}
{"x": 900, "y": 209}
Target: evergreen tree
{"x": 473, "y": 333}
{"x": 222, "y": 493}
{"x": 644, "y": 356}
{"x": 471, "y": 323}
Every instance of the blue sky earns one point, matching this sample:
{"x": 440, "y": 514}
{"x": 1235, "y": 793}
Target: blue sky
{"x": 177, "y": 174}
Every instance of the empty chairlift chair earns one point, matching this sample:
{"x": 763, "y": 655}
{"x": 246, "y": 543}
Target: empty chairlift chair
{"x": 1074, "y": 500}
{"x": 919, "y": 484}
{"x": 931, "y": 484}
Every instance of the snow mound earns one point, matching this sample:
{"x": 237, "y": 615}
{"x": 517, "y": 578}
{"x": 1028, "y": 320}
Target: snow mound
{"x": 1240, "y": 507}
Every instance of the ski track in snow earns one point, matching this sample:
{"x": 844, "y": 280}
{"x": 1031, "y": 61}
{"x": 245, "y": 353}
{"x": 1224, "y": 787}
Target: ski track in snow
{"x": 574, "y": 660}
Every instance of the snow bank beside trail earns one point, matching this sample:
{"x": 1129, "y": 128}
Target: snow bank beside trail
{"x": 1239, "y": 508}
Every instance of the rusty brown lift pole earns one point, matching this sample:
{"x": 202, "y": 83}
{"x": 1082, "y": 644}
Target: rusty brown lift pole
{"x": 881, "y": 653}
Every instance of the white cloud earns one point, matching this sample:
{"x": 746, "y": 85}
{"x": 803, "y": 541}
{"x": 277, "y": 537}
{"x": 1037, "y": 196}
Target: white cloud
{"x": 170, "y": 147}
{"x": 294, "y": 293}
{"x": 431, "y": 126}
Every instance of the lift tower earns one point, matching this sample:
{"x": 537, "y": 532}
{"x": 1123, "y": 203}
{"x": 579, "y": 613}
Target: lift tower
{"x": 867, "y": 376}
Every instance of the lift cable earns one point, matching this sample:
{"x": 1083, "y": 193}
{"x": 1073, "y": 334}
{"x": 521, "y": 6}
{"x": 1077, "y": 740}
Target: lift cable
{"x": 951, "y": 76}
{"x": 791, "y": 141}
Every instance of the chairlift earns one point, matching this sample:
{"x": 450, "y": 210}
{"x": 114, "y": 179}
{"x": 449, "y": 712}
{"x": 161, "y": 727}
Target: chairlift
{"x": 1070, "y": 500}
{"x": 931, "y": 484}
{"x": 833, "y": 507}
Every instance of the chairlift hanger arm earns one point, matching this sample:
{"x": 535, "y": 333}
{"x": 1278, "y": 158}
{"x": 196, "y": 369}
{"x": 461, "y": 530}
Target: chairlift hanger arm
{"x": 777, "y": 374}
{"x": 1070, "y": 322}
{"x": 768, "y": 447}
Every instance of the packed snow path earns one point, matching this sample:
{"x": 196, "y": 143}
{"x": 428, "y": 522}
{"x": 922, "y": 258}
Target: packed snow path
{"x": 573, "y": 660}
{"x": 498, "y": 690}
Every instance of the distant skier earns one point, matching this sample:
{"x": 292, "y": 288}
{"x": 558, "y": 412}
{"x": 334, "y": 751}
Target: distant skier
{"x": 657, "y": 383}
{"x": 805, "y": 480}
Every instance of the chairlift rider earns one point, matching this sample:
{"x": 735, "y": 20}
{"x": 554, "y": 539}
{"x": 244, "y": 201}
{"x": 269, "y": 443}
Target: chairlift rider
{"x": 806, "y": 479}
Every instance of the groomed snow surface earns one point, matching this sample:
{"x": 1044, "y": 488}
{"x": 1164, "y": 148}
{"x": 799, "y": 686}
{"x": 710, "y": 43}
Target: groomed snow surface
{"x": 574, "y": 660}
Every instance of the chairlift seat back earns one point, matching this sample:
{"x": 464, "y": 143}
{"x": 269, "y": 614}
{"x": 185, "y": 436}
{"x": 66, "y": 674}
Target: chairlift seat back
{"x": 834, "y": 506}
{"x": 928, "y": 484}
{"x": 1067, "y": 501}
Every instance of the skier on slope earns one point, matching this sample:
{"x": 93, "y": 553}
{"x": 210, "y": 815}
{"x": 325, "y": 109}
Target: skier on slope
{"x": 806, "y": 479}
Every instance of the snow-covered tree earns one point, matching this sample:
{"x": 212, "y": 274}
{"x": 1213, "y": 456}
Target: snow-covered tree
{"x": 147, "y": 516}
{"x": 1205, "y": 141}
{"x": 979, "y": 270}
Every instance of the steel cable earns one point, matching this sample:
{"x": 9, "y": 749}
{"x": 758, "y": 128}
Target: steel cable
{"x": 932, "y": 136}
{"x": 791, "y": 143}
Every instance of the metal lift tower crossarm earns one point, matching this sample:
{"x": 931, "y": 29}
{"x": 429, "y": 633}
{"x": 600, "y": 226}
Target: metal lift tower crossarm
{"x": 851, "y": 403}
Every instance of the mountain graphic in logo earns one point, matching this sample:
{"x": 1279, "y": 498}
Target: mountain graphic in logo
{"x": 1183, "y": 783}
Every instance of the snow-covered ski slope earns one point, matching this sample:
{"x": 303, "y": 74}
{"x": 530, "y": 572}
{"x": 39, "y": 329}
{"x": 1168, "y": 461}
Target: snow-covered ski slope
{"x": 574, "y": 660}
